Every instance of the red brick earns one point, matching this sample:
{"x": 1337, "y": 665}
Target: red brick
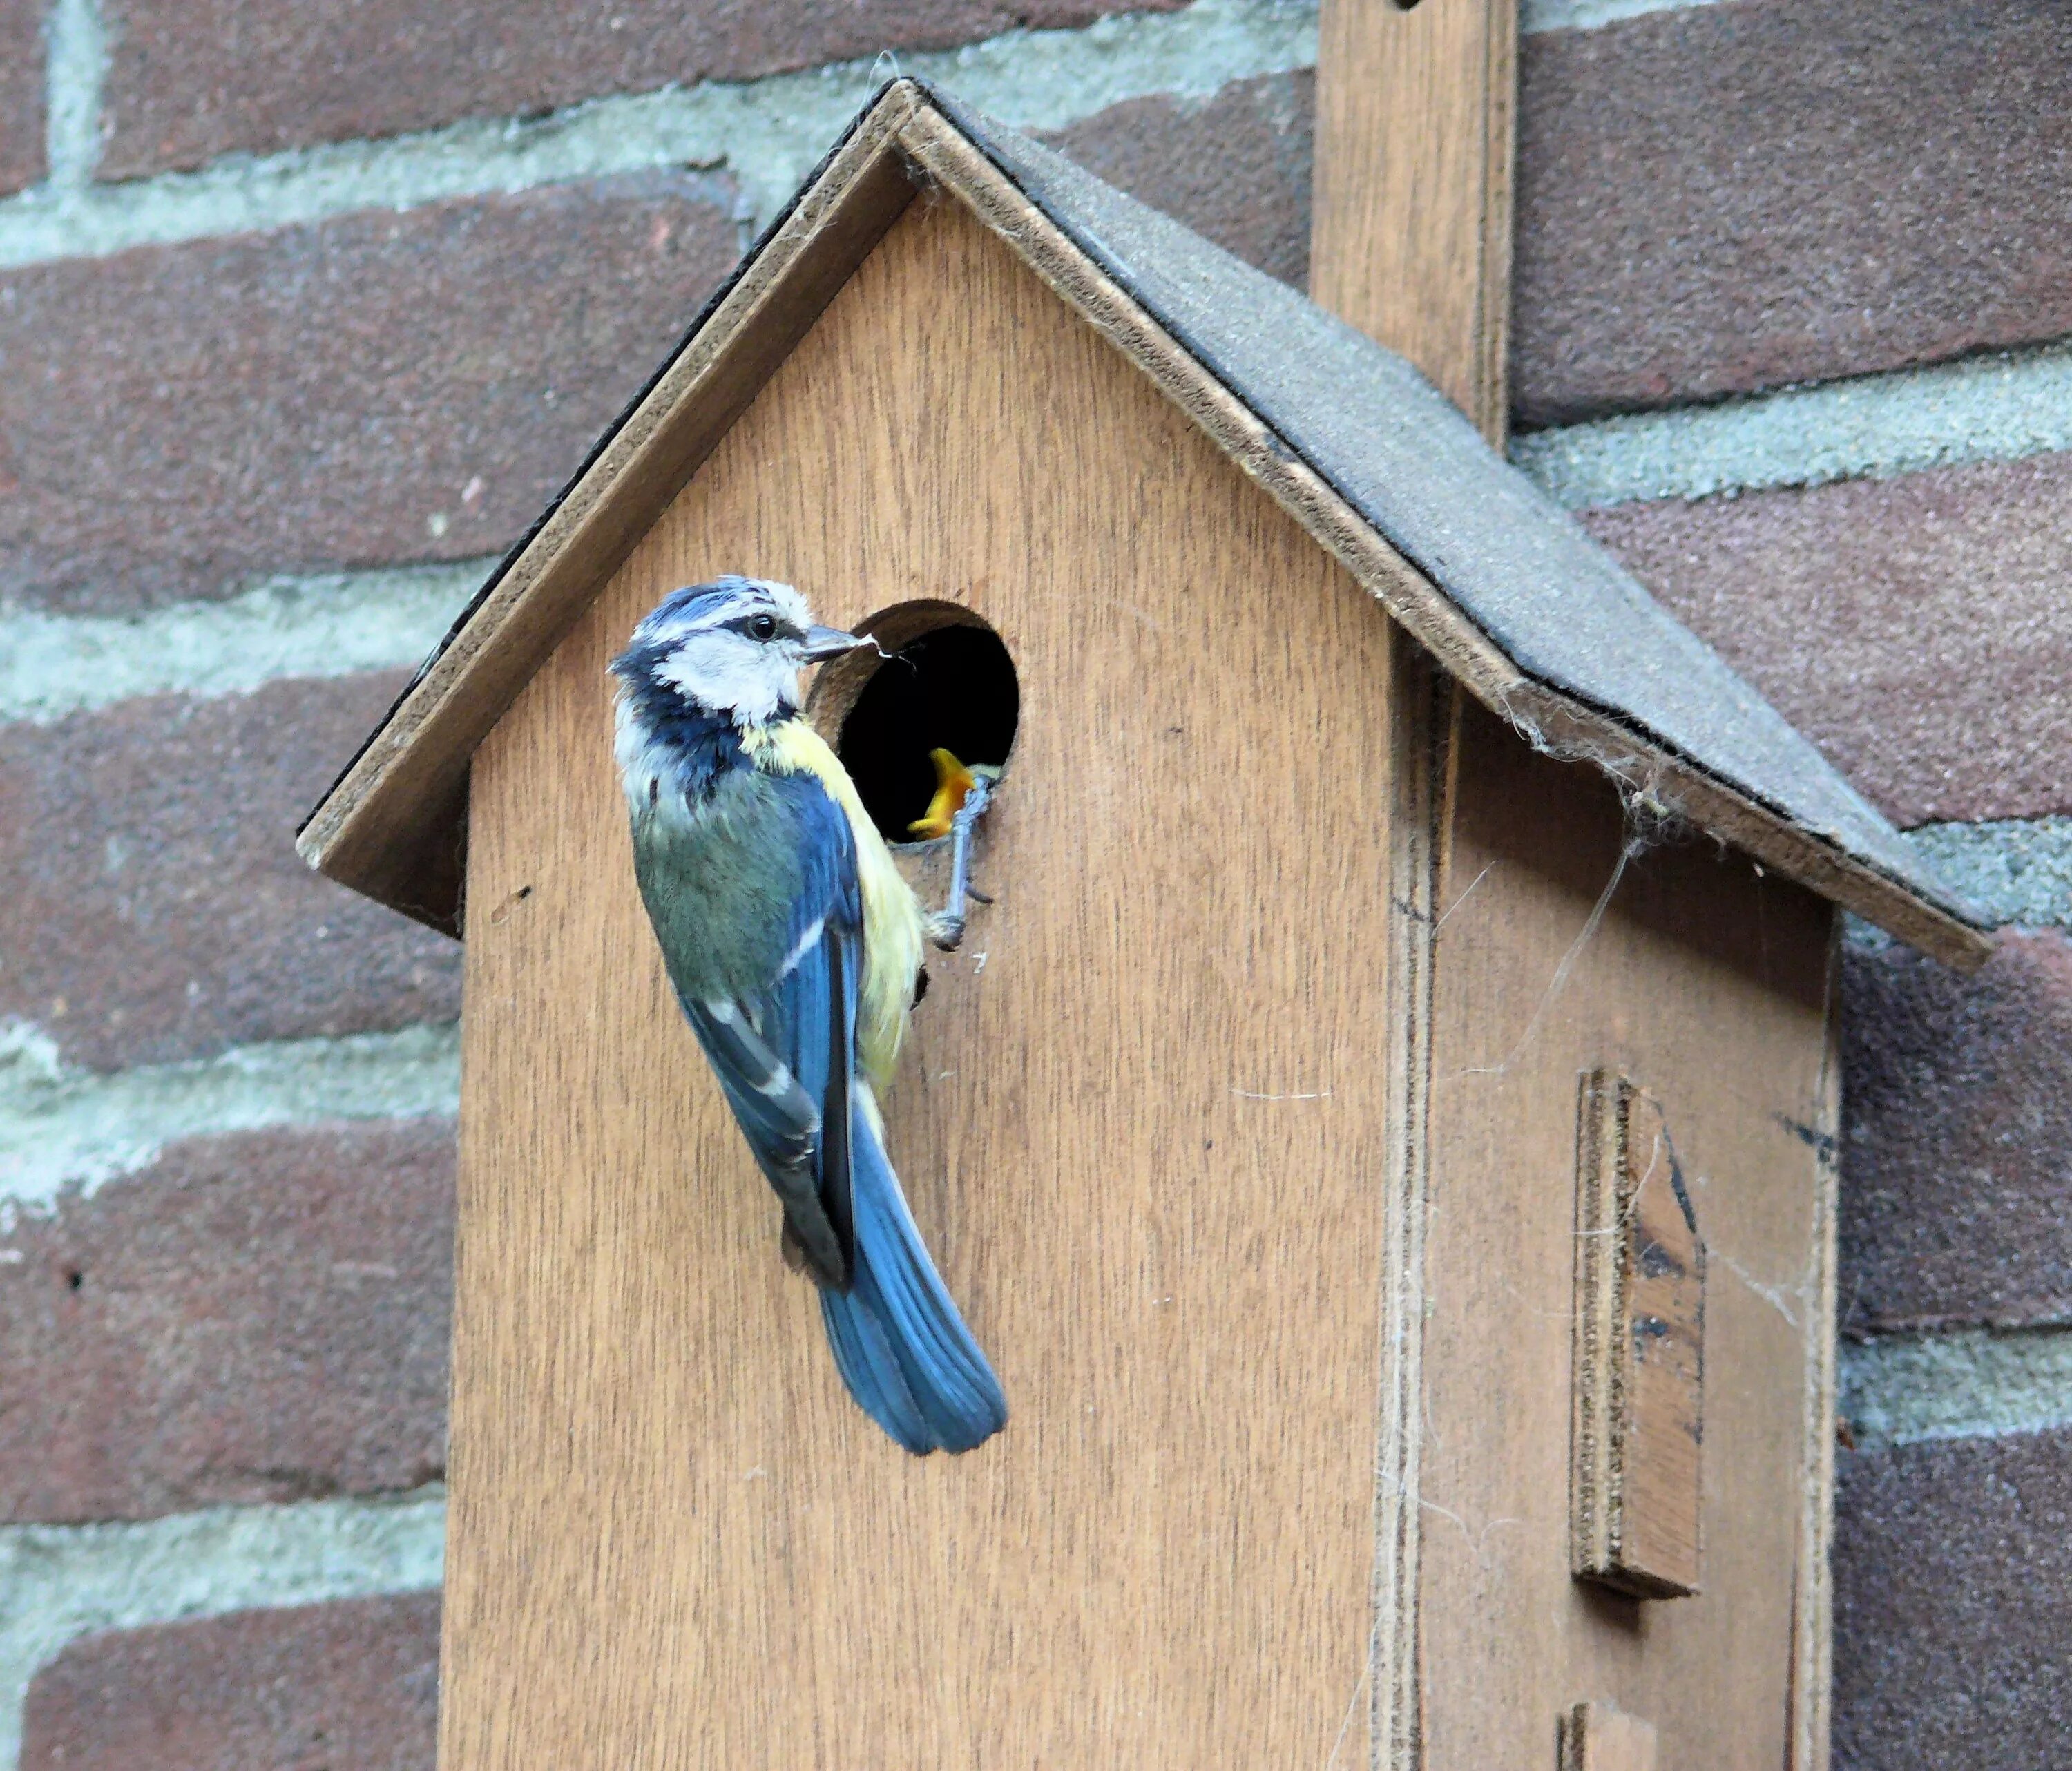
{"x": 1913, "y": 628}
{"x": 382, "y": 387}
{"x": 1236, "y": 169}
{"x": 21, "y": 93}
{"x": 1953, "y": 1606}
{"x": 1714, "y": 199}
{"x": 1957, "y": 1204}
{"x": 189, "y": 80}
{"x": 1722, "y": 197}
{"x": 152, "y": 906}
{"x": 349, "y": 1687}
{"x": 256, "y": 1317}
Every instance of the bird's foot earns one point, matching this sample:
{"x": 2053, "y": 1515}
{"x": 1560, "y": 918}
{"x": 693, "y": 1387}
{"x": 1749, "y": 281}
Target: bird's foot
{"x": 946, "y": 927}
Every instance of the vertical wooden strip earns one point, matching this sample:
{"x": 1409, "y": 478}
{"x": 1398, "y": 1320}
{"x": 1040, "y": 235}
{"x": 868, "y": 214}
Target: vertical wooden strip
{"x": 1639, "y": 1350}
{"x": 1422, "y": 697}
{"x": 1411, "y": 239}
{"x": 1411, "y": 244}
{"x": 1813, "y": 1592}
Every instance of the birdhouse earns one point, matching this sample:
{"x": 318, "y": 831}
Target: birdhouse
{"x": 1381, "y": 1126}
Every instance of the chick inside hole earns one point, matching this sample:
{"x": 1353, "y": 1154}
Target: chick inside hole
{"x": 946, "y": 684}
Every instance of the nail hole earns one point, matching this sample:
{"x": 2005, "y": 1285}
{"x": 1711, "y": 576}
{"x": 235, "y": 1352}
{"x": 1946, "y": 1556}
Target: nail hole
{"x": 74, "y": 1278}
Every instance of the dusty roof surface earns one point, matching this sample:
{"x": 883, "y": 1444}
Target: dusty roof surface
{"x": 1517, "y": 564}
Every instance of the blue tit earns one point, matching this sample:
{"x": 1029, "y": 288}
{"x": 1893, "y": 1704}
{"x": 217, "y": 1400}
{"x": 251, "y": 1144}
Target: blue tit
{"x": 794, "y": 946}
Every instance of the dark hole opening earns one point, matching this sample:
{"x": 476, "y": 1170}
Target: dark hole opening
{"x": 951, "y": 689}
{"x": 74, "y": 1278}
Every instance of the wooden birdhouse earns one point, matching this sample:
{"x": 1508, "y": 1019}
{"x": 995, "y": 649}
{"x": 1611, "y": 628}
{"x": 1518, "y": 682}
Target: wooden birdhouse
{"x": 1382, "y": 1127}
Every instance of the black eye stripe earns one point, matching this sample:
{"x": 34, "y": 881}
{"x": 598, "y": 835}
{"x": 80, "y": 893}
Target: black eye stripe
{"x": 762, "y": 625}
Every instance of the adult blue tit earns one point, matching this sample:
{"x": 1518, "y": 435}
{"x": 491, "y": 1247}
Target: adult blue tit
{"x": 794, "y": 946}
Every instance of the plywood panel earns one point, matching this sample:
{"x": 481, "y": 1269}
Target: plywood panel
{"x": 1142, "y": 1124}
{"x": 1559, "y": 951}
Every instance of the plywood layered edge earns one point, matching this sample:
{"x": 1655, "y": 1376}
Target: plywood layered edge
{"x": 1813, "y": 1606}
{"x": 393, "y": 826}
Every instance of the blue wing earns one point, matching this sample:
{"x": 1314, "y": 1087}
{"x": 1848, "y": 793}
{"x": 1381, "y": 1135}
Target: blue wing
{"x": 783, "y": 1053}
{"x": 785, "y": 1056}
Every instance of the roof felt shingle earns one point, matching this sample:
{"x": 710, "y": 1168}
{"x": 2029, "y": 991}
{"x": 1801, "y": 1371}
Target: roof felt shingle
{"x": 1514, "y": 562}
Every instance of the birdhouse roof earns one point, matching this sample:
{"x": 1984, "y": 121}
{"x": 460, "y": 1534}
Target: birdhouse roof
{"x": 1502, "y": 585}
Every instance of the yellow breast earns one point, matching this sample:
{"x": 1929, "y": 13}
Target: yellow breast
{"x": 891, "y": 913}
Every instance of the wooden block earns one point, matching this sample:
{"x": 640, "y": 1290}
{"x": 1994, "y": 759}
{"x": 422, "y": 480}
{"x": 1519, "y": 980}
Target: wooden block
{"x": 1411, "y": 239}
{"x": 1600, "y": 1737}
{"x": 1639, "y": 1350}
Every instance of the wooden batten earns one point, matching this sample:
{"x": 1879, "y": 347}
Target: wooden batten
{"x": 1636, "y": 1488}
{"x": 1411, "y": 237}
{"x": 1410, "y": 243}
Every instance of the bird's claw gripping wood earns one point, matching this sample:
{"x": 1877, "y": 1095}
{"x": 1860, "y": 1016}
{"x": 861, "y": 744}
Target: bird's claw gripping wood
{"x": 946, "y": 927}
{"x": 962, "y": 795}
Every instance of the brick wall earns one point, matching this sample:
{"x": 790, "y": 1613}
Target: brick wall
{"x": 303, "y": 313}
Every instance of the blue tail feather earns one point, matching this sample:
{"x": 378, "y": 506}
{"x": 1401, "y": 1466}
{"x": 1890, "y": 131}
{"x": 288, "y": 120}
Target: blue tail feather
{"x": 871, "y": 1370}
{"x": 898, "y": 1340}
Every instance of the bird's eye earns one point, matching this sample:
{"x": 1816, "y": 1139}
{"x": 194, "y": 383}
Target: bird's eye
{"x": 763, "y": 626}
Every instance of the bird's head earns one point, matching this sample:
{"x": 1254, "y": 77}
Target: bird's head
{"x": 733, "y": 648}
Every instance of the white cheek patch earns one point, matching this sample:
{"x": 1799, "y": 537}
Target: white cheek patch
{"x": 731, "y": 673}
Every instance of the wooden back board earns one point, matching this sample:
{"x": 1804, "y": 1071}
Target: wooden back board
{"x": 1570, "y": 941}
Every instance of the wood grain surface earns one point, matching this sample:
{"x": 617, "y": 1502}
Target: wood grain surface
{"x": 1410, "y": 238}
{"x": 1599, "y": 1736}
{"x": 1639, "y": 1378}
{"x": 1410, "y": 243}
{"x": 1813, "y": 1601}
{"x": 1143, "y": 1125}
{"x": 1568, "y": 942}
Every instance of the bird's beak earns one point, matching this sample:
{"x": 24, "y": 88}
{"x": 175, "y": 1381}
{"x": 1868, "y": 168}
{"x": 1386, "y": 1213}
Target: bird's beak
{"x": 827, "y": 643}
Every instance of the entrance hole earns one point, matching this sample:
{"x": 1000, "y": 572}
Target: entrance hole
{"x": 944, "y": 681}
